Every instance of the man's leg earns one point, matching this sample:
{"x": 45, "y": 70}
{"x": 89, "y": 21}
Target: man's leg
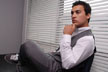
{"x": 30, "y": 53}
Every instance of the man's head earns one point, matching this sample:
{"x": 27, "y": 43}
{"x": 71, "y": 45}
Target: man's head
{"x": 81, "y": 12}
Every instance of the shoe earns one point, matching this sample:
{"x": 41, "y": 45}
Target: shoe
{"x": 11, "y": 58}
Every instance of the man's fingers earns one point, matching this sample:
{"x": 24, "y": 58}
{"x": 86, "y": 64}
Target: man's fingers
{"x": 69, "y": 29}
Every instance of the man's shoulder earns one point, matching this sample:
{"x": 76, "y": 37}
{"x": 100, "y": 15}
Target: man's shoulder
{"x": 87, "y": 38}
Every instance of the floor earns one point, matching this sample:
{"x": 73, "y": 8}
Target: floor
{"x": 7, "y": 67}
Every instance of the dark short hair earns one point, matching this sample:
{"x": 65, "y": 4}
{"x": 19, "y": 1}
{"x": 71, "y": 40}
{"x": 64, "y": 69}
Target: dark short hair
{"x": 86, "y": 6}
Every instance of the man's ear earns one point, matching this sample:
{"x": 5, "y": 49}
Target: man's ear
{"x": 88, "y": 16}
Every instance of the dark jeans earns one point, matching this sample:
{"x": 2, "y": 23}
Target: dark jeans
{"x": 31, "y": 55}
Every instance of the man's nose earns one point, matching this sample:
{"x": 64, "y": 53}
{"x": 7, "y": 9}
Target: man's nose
{"x": 73, "y": 15}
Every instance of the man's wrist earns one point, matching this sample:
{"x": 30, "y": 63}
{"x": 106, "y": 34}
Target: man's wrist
{"x": 67, "y": 37}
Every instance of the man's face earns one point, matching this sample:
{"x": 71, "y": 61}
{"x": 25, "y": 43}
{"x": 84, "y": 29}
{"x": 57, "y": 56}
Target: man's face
{"x": 79, "y": 18}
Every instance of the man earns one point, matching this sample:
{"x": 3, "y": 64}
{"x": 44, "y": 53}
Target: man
{"x": 76, "y": 46}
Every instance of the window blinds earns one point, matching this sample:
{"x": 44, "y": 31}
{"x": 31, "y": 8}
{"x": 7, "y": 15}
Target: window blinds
{"x": 99, "y": 25}
{"x": 43, "y": 23}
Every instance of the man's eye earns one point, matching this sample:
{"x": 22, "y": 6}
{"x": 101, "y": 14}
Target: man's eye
{"x": 71, "y": 12}
{"x": 77, "y": 12}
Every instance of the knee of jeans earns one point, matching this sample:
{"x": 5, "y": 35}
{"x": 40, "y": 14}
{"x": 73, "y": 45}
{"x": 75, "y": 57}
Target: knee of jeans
{"x": 28, "y": 45}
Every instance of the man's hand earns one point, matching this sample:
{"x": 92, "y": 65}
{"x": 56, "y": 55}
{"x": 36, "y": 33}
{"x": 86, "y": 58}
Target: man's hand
{"x": 69, "y": 29}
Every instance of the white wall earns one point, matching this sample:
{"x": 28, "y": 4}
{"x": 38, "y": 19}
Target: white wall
{"x": 11, "y": 22}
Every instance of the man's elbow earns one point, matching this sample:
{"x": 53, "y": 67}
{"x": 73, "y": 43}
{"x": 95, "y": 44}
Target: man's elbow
{"x": 68, "y": 65}
{"x": 65, "y": 67}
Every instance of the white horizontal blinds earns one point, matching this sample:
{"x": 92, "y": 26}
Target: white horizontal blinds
{"x": 59, "y": 30}
{"x": 99, "y": 24}
{"x": 43, "y": 22}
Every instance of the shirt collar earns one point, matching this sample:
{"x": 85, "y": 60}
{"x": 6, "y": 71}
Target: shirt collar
{"x": 79, "y": 30}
